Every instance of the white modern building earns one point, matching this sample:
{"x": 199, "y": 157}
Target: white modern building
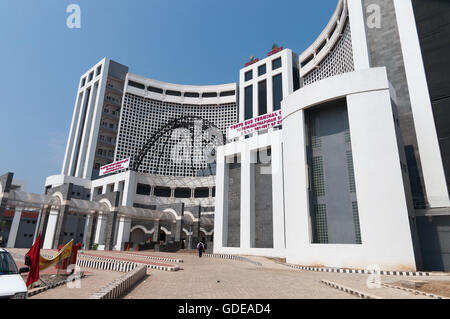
{"x": 338, "y": 156}
{"x": 356, "y": 175}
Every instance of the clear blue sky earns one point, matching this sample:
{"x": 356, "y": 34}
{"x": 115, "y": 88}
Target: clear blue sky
{"x": 179, "y": 41}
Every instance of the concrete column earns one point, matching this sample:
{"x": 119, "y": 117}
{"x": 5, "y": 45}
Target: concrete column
{"x": 109, "y": 231}
{"x": 178, "y": 228}
{"x": 156, "y": 230}
{"x": 42, "y": 219}
{"x": 14, "y": 228}
{"x": 60, "y": 226}
{"x": 89, "y": 231}
{"x": 195, "y": 233}
{"x": 123, "y": 234}
{"x": 100, "y": 231}
{"x": 247, "y": 202}
{"x": 50, "y": 229}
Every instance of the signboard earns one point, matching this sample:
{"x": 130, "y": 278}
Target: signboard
{"x": 255, "y": 124}
{"x": 114, "y": 167}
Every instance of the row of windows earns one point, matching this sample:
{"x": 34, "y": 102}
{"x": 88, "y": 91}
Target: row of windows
{"x": 163, "y": 191}
{"x": 178, "y": 93}
{"x": 276, "y": 64}
{"x": 277, "y": 97}
{"x": 91, "y": 76}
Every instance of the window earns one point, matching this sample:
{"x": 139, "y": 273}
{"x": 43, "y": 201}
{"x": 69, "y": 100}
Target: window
{"x": 136, "y": 85}
{"x": 162, "y": 191}
{"x": 201, "y": 192}
{"x": 276, "y": 64}
{"x": 262, "y": 70}
{"x": 99, "y": 70}
{"x": 228, "y": 93}
{"x": 7, "y": 264}
{"x": 143, "y": 189}
{"x": 173, "y": 93}
{"x": 248, "y": 75}
{"x": 191, "y": 94}
{"x": 277, "y": 89}
{"x": 155, "y": 90}
{"x": 248, "y": 102}
{"x": 183, "y": 193}
{"x": 83, "y": 82}
{"x": 91, "y": 76}
{"x": 262, "y": 97}
{"x": 209, "y": 94}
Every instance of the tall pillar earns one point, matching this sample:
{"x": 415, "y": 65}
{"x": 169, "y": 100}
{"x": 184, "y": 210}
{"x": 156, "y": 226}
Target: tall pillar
{"x": 109, "y": 231}
{"x": 156, "y": 230}
{"x": 123, "y": 234}
{"x": 89, "y": 231}
{"x": 100, "y": 231}
{"x": 50, "y": 229}
{"x": 14, "y": 228}
{"x": 60, "y": 226}
{"x": 177, "y": 229}
{"x": 41, "y": 223}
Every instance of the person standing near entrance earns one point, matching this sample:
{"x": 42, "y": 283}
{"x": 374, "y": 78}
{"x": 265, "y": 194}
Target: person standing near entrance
{"x": 200, "y": 248}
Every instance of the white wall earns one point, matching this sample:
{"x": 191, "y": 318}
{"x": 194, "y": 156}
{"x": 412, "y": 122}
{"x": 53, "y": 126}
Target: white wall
{"x": 245, "y": 149}
{"x": 383, "y": 213}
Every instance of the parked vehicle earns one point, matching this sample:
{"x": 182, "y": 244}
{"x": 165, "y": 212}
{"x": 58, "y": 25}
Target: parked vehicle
{"x": 11, "y": 282}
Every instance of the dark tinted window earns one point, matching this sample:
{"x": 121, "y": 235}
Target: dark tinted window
{"x": 155, "y": 90}
{"x": 227, "y": 93}
{"x": 143, "y": 189}
{"x": 262, "y": 70}
{"x": 209, "y": 94}
{"x": 191, "y": 94}
{"x": 248, "y": 75}
{"x": 136, "y": 85}
{"x": 214, "y": 192}
{"x": 248, "y": 101}
{"x": 162, "y": 191}
{"x": 276, "y": 64}
{"x": 277, "y": 87}
{"x": 262, "y": 97}
{"x": 174, "y": 93}
{"x": 201, "y": 192}
{"x": 183, "y": 193}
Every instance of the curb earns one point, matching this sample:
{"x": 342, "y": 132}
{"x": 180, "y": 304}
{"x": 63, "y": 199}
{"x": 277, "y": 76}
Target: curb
{"x": 118, "y": 265}
{"x": 174, "y": 260}
{"x": 239, "y": 258}
{"x": 117, "y": 288}
{"x": 349, "y": 290}
{"x": 414, "y": 291}
{"x": 363, "y": 271}
{"x": 36, "y": 291}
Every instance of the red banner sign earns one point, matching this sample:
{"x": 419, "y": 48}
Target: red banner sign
{"x": 255, "y": 124}
{"x": 114, "y": 167}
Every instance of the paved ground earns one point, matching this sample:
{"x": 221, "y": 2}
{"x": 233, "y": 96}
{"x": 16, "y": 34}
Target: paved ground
{"x": 213, "y": 278}
{"x": 93, "y": 282}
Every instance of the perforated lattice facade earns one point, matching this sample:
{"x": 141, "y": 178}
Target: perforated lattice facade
{"x": 179, "y": 152}
{"x": 338, "y": 61}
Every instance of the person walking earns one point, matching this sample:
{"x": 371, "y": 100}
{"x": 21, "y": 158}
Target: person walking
{"x": 200, "y": 248}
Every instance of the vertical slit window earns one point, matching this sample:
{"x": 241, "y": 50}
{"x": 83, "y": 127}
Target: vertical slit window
{"x": 277, "y": 87}
{"x": 262, "y": 97}
{"x": 248, "y": 102}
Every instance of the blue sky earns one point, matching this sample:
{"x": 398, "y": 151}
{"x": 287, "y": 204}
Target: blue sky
{"x": 179, "y": 41}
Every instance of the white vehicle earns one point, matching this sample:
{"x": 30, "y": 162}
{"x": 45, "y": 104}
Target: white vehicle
{"x": 11, "y": 283}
